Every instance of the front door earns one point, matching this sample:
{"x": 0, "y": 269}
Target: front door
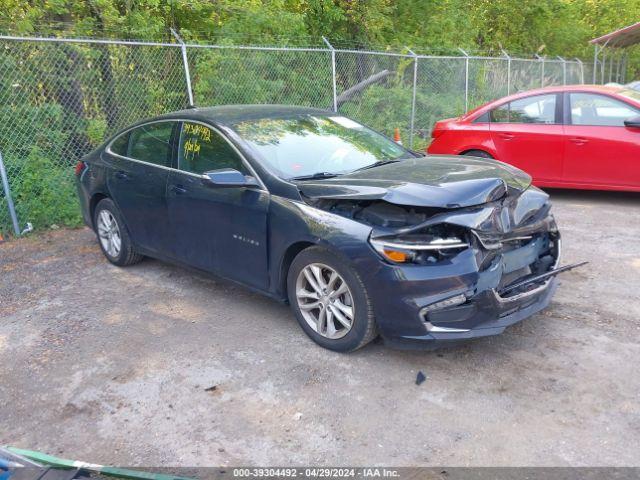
{"x": 219, "y": 229}
{"x": 528, "y": 134}
{"x": 600, "y": 149}
{"x": 137, "y": 179}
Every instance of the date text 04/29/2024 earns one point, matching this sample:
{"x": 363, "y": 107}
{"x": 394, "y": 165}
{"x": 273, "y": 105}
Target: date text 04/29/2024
{"x": 312, "y": 472}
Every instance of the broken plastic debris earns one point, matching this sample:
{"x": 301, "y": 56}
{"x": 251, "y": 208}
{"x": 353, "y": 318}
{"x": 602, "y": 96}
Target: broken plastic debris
{"x": 420, "y": 378}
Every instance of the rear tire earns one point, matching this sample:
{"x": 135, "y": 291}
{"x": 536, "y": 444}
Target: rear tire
{"x": 113, "y": 236}
{"x": 478, "y": 153}
{"x": 330, "y": 301}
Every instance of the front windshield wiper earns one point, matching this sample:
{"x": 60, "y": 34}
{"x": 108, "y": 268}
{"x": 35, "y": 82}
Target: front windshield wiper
{"x": 377, "y": 164}
{"x": 315, "y": 176}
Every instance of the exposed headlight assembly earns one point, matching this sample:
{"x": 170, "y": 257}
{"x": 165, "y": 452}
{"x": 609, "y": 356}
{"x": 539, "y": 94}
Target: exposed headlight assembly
{"x": 428, "y": 246}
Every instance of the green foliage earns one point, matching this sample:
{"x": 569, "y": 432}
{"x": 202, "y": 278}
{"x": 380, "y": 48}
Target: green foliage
{"x": 247, "y": 76}
{"x": 96, "y": 130}
{"x": 46, "y": 194}
{"x": 554, "y": 27}
{"x": 31, "y": 139}
{"x": 59, "y": 101}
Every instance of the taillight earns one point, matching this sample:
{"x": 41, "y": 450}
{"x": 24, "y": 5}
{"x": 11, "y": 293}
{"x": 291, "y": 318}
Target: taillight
{"x": 80, "y": 167}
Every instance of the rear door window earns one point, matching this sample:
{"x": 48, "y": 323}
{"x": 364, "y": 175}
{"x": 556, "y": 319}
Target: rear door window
{"x": 120, "y": 145}
{"x": 540, "y": 109}
{"x": 202, "y": 149}
{"x": 151, "y": 143}
{"x": 484, "y": 118}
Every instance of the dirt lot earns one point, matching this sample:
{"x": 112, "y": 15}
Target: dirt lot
{"x": 113, "y": 365}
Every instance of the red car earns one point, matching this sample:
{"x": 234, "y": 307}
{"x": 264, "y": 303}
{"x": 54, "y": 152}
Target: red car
{"x": 580, "y": 136}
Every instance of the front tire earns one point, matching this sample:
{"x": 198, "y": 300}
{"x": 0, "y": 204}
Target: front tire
{"x": 113, "y": 236}
{"x": 330, "y": 301}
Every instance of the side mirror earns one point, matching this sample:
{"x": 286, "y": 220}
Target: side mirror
{"x": 228, "y": 178}
{"x": 633, "y": 122}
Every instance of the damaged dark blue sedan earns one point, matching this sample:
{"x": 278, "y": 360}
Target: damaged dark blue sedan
{"x": 360, "y": 235}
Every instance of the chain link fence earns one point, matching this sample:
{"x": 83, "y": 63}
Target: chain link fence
{"x": 60, "y": 98}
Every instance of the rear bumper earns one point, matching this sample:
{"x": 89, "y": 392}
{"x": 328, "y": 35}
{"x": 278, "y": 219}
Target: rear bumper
{"x": 84, "y": 200}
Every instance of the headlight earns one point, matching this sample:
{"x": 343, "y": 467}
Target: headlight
{"x": 429, "y": 246}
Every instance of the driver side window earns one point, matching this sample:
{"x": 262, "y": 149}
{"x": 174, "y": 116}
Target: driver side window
{"x": 202, "y": 149}
{"x": 599, "y": 110}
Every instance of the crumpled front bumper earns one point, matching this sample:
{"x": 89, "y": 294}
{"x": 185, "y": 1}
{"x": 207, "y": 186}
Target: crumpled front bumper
{"x": 406, "y": 317}
{"x": 484, "y": 315}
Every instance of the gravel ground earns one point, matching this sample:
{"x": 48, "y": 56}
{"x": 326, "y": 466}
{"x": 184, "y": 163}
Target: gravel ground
{"x": 116, "y": 366}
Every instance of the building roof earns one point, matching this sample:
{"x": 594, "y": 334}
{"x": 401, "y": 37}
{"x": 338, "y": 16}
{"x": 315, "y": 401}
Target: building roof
{"x": 624, "y": 37}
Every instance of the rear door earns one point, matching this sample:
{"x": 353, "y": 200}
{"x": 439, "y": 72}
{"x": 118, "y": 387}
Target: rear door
{"x": 214, "y": 228}
{"x": 138, "y": 167}
{"x": 600, "y": 150}
{"x": 528, "y": 133}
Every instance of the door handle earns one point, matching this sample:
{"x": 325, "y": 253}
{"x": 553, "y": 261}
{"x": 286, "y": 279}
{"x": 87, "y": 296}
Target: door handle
{"x": 120, "y": 175}
{"x": 178, "y": 189}
{"x": 507, "y": 136}
{"x": 579, "y": 140}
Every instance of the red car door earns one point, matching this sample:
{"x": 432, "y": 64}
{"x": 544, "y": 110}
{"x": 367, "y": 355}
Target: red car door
{"x": 528, "y": 133}
{"x": 600, "y": 151}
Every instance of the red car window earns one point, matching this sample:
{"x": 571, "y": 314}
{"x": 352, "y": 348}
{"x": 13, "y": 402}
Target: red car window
{"x": 535, "y": 109}
{"x": 599, "y": 110}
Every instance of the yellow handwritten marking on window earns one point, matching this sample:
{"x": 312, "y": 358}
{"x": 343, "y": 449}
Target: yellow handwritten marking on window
{"x": 197, "y": 130}
{"x": 191, "y": 147}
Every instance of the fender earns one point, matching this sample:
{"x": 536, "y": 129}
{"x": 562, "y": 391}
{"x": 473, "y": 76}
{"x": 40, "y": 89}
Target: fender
{"x": 294, "y": 222}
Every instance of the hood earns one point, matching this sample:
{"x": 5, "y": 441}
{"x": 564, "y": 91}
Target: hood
{"x": 432, "y": 181}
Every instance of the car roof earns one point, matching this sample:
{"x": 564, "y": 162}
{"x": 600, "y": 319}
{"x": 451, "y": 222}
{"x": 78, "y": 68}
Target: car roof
{"x": 232, "y": 114}
{"x": 570, "y": 88}
{"x": 610, "y": 89}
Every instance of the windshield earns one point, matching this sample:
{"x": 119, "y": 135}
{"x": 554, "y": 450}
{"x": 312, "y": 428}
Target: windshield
{"x": 308, "y": 144}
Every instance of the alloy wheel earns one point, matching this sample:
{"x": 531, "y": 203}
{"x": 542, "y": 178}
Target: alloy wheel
{"x": 109, "y": 233}
{"x": 325, "y": 300}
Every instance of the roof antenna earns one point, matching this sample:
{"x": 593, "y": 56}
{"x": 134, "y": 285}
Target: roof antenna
{"x": 185, "y": 62}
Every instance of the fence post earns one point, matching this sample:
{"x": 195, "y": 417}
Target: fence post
{"x": 564, "y": 69}
{"x": 595, "y": 61}
{"x": 333, "y": 73}
{"x": 581, "y": 65}
{"x": 185, "y": 62}
{"x": 7, "y": 194}
{"x": 603, "y": 63}
{"x": 623, "y": 72}
{"x": 541, "y": 60}
{"x": 466, "y": 79}
{"x": 508, "y": 71}
{"x": 611, "y": 65}
{"x": 413, "y": 96}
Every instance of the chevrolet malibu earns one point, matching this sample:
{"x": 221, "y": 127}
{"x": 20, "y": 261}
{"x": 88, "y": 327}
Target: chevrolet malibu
{"x": 361, "y": 236}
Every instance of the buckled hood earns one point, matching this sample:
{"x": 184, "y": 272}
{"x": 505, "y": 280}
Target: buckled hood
{"x": 432, "y": 181}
